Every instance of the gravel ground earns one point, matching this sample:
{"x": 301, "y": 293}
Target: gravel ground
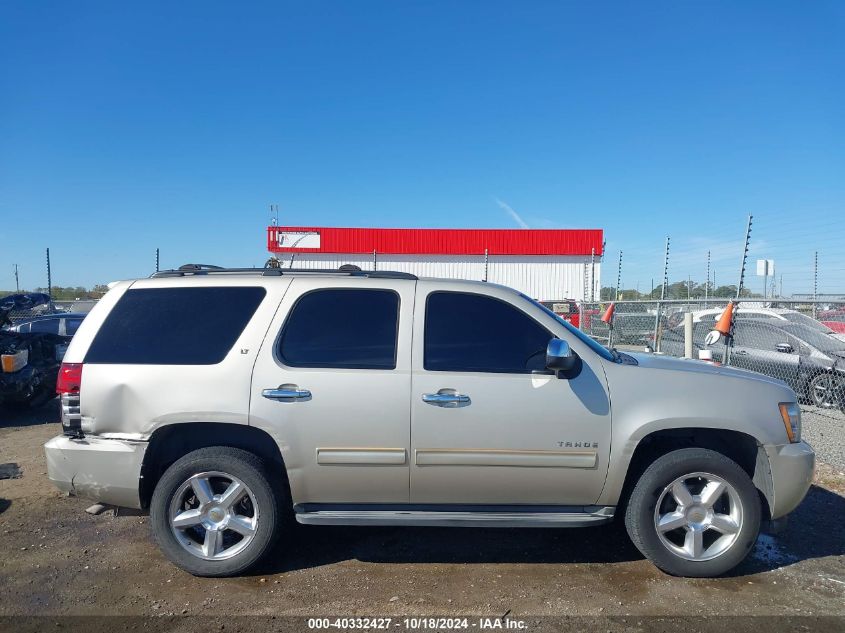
{"x": 58, "y": 560}
{"x": 824, "y": 430}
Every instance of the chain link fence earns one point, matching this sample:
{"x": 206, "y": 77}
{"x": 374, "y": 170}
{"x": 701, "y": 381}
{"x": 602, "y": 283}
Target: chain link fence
{"x": 799, "y": 342}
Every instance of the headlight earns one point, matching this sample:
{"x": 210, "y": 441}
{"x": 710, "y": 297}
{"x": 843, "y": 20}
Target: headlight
{"x": 791, "y": 414}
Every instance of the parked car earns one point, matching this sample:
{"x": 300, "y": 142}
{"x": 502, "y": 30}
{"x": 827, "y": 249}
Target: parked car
{"x": 62, "y": 324}
{"x": 29, "y": 362}
{"x": 812, "y": 363}
{"x": 567, "y": 309}
{"x": 222, "y": 401}
{"x": 835, "y": 320}
{"x": 753, "y": 312}
{"x": 634, "y": 329}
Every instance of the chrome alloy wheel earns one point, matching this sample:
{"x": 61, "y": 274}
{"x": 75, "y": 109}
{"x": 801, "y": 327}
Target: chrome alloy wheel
{"x": 213, "y": 515}
{"x": 825, "y": 391}
{"x": 698, "y": 516}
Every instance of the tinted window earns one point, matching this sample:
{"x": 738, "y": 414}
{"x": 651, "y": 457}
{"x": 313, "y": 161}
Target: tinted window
{"x": 755, "y": 336}
{"x": 71, "y": 326}
{"x": 469, "y": 332}
{"x": 342, "y": 328}
{"x": 174, "y": 326}
{"x": 49, "y": 326}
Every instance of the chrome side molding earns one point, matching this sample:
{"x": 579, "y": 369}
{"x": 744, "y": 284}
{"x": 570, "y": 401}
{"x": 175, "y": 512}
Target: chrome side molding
{"x": 508, "y": 516}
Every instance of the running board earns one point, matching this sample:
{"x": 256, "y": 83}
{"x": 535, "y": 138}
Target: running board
{"x": 443, "y": 516}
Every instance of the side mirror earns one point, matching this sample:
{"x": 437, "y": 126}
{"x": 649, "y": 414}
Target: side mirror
{"x": 784, "y": 348}
{"x": 559, "y": 356}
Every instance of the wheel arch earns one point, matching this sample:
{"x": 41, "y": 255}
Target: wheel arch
{"x": 741, "y": 447}
{"x": 169, "y": 443}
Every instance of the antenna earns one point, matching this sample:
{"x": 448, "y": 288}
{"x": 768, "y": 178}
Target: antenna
{"x": 17, "y": 282}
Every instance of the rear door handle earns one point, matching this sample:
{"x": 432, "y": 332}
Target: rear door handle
{"x": 447, "y": 398}
{"x": 287, "y": 393}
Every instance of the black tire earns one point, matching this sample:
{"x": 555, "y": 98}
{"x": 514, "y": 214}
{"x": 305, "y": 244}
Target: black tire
{"x": 640, "y": 513}
{"x": 268, "y": 491}
{"x": 826, "y": 391}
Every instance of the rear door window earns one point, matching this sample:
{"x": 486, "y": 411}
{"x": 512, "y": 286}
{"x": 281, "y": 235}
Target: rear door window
{"x": 175, "y": 326}
{"x": 345, "y": 328}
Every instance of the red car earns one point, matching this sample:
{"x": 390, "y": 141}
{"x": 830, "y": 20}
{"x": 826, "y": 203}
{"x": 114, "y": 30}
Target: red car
{"x": 834, "y": 319}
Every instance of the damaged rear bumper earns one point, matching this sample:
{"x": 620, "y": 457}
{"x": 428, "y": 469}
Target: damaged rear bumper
{"x": 104, "y": 470}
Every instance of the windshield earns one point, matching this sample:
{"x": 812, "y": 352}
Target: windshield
{"x": 803, "y": 319}
{"x": 599, "y": 349}
{"x": 820, "y": 341}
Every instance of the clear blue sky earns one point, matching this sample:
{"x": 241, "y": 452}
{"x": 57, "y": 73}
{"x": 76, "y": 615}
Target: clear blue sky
{"x": 130, "y": 126}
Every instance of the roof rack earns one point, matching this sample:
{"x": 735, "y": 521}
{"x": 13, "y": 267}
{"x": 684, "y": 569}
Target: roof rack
{"x": 348, "y": 270}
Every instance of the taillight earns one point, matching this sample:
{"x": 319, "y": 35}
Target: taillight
{"x": 67, "y": 386}
{"x": 70, "y": 378}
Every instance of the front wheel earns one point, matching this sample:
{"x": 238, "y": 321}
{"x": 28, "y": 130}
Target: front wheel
{"x": 214, "y": 512}
{"x": 694, "y": 512}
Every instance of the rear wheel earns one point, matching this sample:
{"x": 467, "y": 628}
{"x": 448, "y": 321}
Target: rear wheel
{"x": 214, "y": 512}
{"x": 826, "y": 391}
{"x": 694, "y": 512}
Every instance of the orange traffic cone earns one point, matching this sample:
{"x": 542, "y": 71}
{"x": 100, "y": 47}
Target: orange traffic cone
{"x": 608, "y": 314}
{"x": 723, "y": 325}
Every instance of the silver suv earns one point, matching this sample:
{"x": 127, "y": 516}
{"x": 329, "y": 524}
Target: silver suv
{"x": 226, "y": 401}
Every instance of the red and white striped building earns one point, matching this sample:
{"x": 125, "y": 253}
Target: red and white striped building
{"x": 544, "y": 264}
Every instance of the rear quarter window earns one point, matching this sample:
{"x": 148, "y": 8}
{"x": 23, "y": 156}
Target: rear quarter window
{"x": 174, "y": 326}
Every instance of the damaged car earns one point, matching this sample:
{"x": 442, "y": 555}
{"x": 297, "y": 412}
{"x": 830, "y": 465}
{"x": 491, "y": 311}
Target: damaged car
{"x": 29, "y": 362}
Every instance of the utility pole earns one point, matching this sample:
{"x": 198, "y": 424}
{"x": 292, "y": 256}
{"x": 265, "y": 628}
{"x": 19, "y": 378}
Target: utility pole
{"x": 486, "y": 262}
{"x": 593, "y": 274}
{"x": 744, "y": 257}
{"x": 374, "y": 259}
{"x": 49, "y": 278}
{"x": 729, "y": 343}
{"x": 662, "y": 297}
{"x": 707, "y": 284}
{"x": 156, "y": 260}
{"x": 17, "y": 281}
{"x": 815, "y": 281}
{"x": 619, "y": 275}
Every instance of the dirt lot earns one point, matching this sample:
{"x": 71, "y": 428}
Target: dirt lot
{"x": 58, "y": 560}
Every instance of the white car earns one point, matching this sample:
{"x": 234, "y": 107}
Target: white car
{"x": 753, "y": 312}
{"x": 226, "y": 402}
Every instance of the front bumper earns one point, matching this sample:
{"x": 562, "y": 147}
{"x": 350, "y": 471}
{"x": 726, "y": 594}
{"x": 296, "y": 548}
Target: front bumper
{"x": 101, "y": 469}
{"x": 792, "y": 467}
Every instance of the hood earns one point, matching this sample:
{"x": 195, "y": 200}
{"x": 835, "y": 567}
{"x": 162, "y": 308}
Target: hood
{"x": 660, "y": 361}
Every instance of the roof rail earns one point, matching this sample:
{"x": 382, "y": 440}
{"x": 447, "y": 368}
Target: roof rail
{"x": 346, "y": 270}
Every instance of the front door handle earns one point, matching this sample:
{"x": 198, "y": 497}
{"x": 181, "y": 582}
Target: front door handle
{"x": 287, "y": 393}
{"x": 448, "y": 398}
